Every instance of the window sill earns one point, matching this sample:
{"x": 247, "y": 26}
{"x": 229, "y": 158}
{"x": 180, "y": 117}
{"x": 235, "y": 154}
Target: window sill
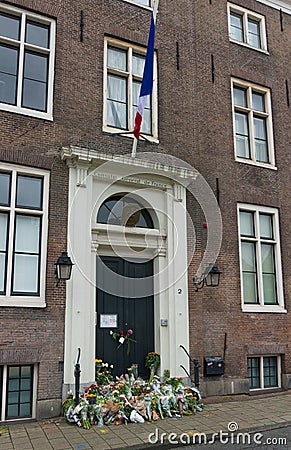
{"x": 149, "y": 8}
{"x": 264, "y": 391}
{"x": 127, "y": 134}
{"x": 263, "y": 309}
{"x": 26, "y": 112}
{"x": 243, "y": 44}
{"x": 257, "y": 164}
{"x": 22, "y": 302}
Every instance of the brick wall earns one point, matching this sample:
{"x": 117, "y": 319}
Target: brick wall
{"x": 195, "y": 124}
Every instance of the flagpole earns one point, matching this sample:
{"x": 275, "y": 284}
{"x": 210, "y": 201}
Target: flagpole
{"x": 135, "y": 140}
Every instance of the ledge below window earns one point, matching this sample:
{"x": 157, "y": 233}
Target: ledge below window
{"x": 26, "y": 112}
{"x": 128, "y": 134}
{"x": 22, "y": 302}
{"x": 265, "y": 391}
{"x": 255, "y": 163}
{"x": 263, "y": 309}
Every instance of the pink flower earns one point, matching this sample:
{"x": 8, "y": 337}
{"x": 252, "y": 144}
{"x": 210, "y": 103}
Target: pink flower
{"x": 129, "y": 331}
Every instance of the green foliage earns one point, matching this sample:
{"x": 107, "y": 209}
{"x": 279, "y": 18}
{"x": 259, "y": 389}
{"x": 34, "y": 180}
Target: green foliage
{"x": 154, "y": 359}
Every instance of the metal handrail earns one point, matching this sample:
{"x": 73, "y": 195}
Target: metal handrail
{"x": 196, "y": 368}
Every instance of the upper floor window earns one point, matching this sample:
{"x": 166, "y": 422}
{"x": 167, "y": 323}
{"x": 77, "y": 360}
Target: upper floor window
{"x": 27, "y": 44}
{"x": 252, "y": 119}
{"x": 260, "y": 258}
{"x": 246, "y": 27}
{"x": 23, "y": 236}
{"x": 124, "y": 66}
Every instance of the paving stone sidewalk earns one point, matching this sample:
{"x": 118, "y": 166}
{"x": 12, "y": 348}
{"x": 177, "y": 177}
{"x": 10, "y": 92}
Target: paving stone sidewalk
{"x": 252, "y": 414}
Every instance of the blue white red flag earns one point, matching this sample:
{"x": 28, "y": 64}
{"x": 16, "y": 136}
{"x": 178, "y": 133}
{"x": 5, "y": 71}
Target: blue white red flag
{"x": 147, "y": 79}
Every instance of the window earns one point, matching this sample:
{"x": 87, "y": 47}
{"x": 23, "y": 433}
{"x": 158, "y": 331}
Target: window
{"x": 123, "y": 76}
{"x": 124, "y": 210}
{"x": 26, "y": 62}
{"x": 260, "y": 259}
{"x": 19, "y": 392}
{"x": 23, "y": 225}
{"x": 264, "y": 372}
{"x": 252, "y": 121}
{"x": 148, "y": 3}
{"x": 18, "y": 386}
{"x": 247, "y": 27}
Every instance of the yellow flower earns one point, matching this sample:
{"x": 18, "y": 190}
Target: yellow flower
{"x": 98, "y": 360}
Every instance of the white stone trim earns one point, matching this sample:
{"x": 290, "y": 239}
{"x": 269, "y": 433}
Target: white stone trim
{"x": 95, "y": 157}
{"x": 277, "y": 4}
{"x": 154, "y": 185}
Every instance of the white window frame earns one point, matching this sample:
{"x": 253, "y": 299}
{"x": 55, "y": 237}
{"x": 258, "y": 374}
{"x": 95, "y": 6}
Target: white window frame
{"x": 138, "y": 4}
{"x": 279, "y": 373}
{"x": 250, "y": 112}
{"x": 246, "y": 15}
{"x": 261, "y": 307}
{"x": 26, "y": 300}
{"x": 27, "y": 15}
{"x": 4, "y": 391}
{"x": 130, "y": 48}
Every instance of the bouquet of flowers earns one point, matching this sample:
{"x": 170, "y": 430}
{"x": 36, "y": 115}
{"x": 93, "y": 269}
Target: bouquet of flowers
{"x": 123, "y": 338}
{"x": 152, "y": 362}
{"x": 103, "y": 374}
{"x": 154, "y": 359}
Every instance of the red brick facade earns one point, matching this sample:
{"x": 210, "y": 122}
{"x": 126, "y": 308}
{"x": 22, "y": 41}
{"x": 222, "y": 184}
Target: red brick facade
{"x": 195, "y": 124}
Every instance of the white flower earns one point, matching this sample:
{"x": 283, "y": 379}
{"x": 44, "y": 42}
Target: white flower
{"x": 106, "y": 365}
{"x": 111, "y": 332}
{"x": 121, "y": 340}
{"x": 111, "y": 367}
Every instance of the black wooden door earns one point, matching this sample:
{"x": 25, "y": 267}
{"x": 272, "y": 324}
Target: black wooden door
{"x": 135, "y": 313}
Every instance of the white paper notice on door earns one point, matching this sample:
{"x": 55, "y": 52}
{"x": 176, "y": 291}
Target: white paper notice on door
{"x": 108, "y": 320}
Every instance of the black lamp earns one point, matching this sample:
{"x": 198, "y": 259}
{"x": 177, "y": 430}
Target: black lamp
{"x": 208, "y": 278}
{"x": 63, "y": 267}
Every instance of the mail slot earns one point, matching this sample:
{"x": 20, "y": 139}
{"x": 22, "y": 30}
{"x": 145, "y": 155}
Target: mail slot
{"x": 213, "y": 365}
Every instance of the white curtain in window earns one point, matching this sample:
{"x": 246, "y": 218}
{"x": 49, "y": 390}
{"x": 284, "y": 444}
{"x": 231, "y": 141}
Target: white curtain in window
{"x": 116, "y": 102}
{"x": 249, "y": 272}
{"x": 3, "y": 231}
{"x": 25, "y": 279}
{"x": 269, "y": 280}
{"x": 242, "y": 135}
{"x": 138, "y": 63}
{"x": 2, "y": 271}
{"x": 27, "y": 234}
{"x": 116, "y": 59}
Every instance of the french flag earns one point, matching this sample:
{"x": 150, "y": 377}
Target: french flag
{"x": 147, "y": 79}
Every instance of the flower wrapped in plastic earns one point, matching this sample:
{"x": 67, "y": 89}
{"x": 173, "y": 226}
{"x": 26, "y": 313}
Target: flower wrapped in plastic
{"x": 148, "y": 406}
{"x": 157, "y": 399}
{"x": 166, "y": 406}
{"x": 98, "y": 414}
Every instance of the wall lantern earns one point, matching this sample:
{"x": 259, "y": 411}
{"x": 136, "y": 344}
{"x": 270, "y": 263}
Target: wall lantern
{"x": 63, "y": 267}
{"x": 210, "y": 278}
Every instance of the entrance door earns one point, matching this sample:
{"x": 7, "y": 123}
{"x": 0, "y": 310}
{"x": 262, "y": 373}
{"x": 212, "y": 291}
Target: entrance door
{"x": 132, "y": 313}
